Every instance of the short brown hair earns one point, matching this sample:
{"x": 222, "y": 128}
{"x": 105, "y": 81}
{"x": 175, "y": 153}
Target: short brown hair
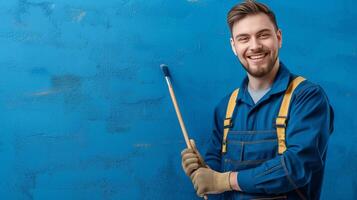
{"x": 249, "y": 7}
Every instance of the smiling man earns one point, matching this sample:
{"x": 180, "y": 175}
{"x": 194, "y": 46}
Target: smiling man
{"x": 270, "y": 136}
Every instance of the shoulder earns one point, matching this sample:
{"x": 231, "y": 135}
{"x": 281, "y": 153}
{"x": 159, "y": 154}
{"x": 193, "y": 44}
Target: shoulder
{"x": 309, "y": 95}
{"x": 310, "y": 101}
{"x": 308, "y": 89}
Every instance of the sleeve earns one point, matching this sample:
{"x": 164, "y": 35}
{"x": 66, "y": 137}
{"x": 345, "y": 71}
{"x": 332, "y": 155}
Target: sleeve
{"x": 213, "y": 153}
{"x": 307, "y": 133}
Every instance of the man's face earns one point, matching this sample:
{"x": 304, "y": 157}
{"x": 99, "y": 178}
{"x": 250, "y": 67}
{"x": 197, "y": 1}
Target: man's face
{"x": 256, "y": 43}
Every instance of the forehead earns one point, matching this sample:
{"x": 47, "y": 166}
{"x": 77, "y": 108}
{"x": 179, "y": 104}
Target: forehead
{"x": 252, "y": 24}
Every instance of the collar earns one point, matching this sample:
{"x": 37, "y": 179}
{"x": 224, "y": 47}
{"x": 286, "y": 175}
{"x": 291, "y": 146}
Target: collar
{"x": 280, "y": 84}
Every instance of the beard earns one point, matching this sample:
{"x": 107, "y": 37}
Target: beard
{"x": 261, "y": 71}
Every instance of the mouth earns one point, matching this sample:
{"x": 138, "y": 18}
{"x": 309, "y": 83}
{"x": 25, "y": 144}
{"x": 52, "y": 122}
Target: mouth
{"x": 257, "y": 57}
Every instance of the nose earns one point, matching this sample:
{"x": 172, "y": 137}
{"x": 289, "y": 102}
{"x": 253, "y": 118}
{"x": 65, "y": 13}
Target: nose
{"x": 255, "y": 45}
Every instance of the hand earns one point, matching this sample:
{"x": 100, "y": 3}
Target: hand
{"x": 208, "y": 181}
{"x": 191, "y": 159}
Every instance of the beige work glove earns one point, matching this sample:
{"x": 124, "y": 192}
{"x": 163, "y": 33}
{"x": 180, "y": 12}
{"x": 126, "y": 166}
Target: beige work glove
{"x": 208, "y": 181}
{"x": 191, "y": 159}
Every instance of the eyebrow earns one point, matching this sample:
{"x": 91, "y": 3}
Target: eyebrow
{"x": 259, "y": 32}
{"x": 264, "y": 30}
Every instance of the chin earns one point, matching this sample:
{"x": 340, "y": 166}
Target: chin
{"x": 259, "y": 71}
{"x": 258, "y": 74}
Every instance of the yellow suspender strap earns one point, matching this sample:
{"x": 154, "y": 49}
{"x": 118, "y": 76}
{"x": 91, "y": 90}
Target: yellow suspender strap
{"x": 228, "y": 120}
{"x": 283, "y": 114}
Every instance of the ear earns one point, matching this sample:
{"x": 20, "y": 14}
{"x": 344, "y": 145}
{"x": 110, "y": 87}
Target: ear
{"x": 233, "y": 46}
{"x": 279, "y": 35}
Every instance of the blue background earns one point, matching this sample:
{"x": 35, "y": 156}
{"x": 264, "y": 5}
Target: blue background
{"x": 86, "y": 114}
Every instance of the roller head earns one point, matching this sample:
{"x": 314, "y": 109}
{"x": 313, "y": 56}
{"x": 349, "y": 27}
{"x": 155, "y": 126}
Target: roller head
{"x": 165, "y": 70}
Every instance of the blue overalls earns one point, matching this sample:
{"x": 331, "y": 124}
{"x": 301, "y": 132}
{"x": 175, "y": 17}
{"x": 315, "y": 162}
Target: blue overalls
{"x": 252, "y": 142}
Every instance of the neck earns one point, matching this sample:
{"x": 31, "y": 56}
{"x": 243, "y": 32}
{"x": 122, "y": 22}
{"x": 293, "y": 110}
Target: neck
{"x": 262, "y": 83}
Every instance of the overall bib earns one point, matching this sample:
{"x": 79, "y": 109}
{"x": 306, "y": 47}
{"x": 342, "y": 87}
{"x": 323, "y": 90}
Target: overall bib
{"x": 247, "y": 149}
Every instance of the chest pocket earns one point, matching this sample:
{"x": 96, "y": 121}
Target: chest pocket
{"x": 246, "y": 149}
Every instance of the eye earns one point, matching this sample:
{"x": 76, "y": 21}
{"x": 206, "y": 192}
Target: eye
{"x": 264, "y": 36}
{"x": 243, "y": 39}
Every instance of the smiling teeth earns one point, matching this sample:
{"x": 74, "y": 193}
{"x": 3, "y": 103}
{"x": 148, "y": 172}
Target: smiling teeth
{"x": 257, "y": 56}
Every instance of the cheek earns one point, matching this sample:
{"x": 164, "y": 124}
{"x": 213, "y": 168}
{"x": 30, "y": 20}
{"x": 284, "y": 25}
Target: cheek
{"x": 273, "y": 45}
{"x": 240, "y": 52}
{"x": 241, "y": 58}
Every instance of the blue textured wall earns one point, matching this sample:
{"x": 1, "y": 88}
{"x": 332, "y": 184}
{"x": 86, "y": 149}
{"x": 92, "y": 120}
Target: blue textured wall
{"x": 85, "y": 112}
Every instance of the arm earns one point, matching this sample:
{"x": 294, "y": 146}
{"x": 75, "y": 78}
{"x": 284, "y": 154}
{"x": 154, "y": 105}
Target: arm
{"x": 213, "y": 153}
